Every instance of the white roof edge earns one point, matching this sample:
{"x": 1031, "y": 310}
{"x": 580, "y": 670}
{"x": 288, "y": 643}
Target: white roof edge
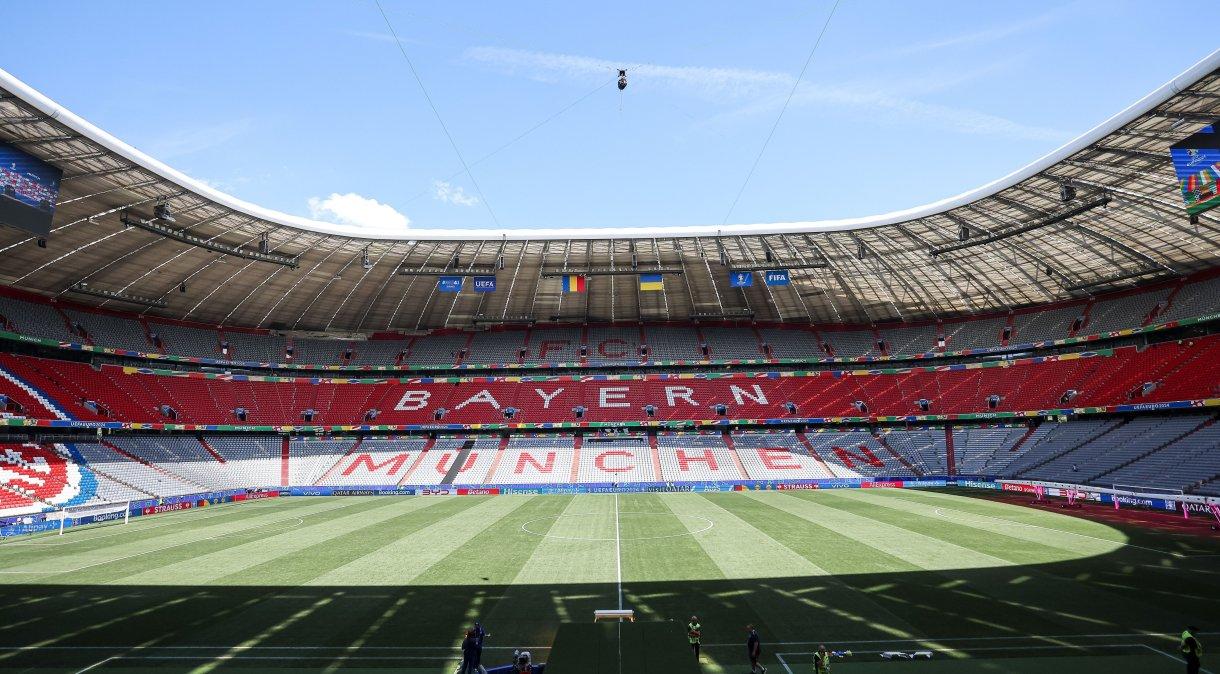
{"x": 84, "y": 128}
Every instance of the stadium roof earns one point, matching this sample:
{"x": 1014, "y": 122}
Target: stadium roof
{"x": 1126, "y": 225}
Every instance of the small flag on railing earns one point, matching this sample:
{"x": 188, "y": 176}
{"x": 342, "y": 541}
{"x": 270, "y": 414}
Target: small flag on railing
{"x": 574, "y": 283}
{"x": 651, "y": 282}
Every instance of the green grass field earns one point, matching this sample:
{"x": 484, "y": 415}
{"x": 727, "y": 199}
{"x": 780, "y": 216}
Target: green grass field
{"x": 372, "y": 583}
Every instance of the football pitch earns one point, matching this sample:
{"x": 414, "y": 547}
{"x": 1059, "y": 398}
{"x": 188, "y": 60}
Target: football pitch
{"x": 354, "y": 584}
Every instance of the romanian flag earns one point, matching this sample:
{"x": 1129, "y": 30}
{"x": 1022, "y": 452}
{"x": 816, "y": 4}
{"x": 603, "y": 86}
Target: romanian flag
{"x": 574, "y": 283}
{"x": 651, "y": 282}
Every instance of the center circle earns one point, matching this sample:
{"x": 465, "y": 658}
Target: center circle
{"x": 708, "y": 524}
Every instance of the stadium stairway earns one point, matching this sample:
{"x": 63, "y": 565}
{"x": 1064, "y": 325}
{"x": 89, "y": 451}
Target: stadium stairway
{"x": 815, "y": 454}
{"x": 208, "y": 448}
{"x": 1091, "y": 438}
{"x": 897, "y": 457}
{"x": 419, "y": 460}
{"x": 120, "y": 481}
{"x": 326, "y": 475}
{"x": 741, "y": 469}
{"x": 1140, "y": 457}
{"x": 285, "y": 461}
{"x": 164, "y": 471}
{"x": 459, "y": 463}
{"x": 33, "y": 394}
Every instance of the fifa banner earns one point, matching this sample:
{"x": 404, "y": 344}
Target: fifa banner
{"x": 777, "y": 277}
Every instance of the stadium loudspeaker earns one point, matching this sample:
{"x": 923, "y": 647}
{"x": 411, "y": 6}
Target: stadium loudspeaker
{"x": 42, "y": 243}
{"x": 1067, "y": 192}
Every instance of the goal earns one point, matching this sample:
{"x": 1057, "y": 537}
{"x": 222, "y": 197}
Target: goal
{"x": 98, "y": 513}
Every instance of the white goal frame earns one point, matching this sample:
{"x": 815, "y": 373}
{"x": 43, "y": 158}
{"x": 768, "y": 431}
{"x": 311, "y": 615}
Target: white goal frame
{"x": 75, "y": 512}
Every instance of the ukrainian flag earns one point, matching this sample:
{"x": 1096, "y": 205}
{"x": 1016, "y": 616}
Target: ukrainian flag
{"x": 651, "y": 282}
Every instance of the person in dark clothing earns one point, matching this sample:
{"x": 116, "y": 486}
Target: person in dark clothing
{"x": 754, "y": 651}
{"x": 470, "y": 655}
{"x": 1192, "y": 650}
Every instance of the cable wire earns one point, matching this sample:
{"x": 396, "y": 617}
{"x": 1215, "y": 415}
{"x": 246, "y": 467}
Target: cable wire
{"x": 523, "y": 134}
{"x": 436, "y": 112}
{"x": 778, "y": 118}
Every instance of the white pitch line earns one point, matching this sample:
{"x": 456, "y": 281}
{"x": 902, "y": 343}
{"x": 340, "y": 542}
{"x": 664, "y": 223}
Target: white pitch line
{"x": 1027, "y": 637}
{"x": 1176, "y": 659}
{"x": 780, "y": 657}
{"x": 97, "y": 664}
{"x": 618, "y": 563}
{"x": 139, "y": 647}
{"x": 618, "y": 553}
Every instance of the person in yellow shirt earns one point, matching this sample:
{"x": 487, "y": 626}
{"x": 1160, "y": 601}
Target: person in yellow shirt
{"x": 1192, "y": 650}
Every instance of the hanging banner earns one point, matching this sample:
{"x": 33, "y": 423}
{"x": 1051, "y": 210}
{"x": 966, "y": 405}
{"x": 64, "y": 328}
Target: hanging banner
{"x": 777, "y": 277}
{"x": 449, "y": 284}
{"x": 741, "y": 279}
{"x": 484, "y": 284}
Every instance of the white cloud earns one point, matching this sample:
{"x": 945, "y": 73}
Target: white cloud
{"x": 450, "y": 194}
{"x": 757, "y": 91}
{"x": 987, "y": 36}
{"x": 358, "y": 212}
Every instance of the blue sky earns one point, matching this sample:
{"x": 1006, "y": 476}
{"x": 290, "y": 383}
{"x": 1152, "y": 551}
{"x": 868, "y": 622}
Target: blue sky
{"x": 309, "y": 108}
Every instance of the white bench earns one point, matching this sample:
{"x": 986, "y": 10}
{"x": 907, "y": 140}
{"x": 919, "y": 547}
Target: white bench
{"x": 619, "y": 614}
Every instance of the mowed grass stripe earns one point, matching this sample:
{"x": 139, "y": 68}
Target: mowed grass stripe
{"x": 1023, "y": 586}
{"x": 57, "y": 614}
{"x": 91, "y": 539}
{"x": 130, "y": 620}
{"x": 1138, "y": 573}
{"x": 405, "y": 559}
{"x": 1147, "y": 537}
{"x": 834, "y": 604}
{"x": 877, "y": 565}
{"x": 570, "y": 559}
{"x": 344, "y": 546}
{"x": 914, "y": 544}
{"x": 744, "y": 551}
{"x": 89, "y": 565}
{"x": 1010, "y": 512}
{"x": 318, "y": 609}
{"x": 562, "y": 578}
{"x": 230, "y": 562}
{"x": 1018, "y": 543}
{"x": 473, "y": 582}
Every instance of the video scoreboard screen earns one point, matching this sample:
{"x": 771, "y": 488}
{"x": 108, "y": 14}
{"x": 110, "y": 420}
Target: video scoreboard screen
{"x": 29, "y": 189}
{"x": 1196, "y": 161}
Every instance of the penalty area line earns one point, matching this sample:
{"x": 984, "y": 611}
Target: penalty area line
{"x": 1175, "y": 658}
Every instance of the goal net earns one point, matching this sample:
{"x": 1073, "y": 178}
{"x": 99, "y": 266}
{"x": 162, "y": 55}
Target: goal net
{"x": 95, "y": 514}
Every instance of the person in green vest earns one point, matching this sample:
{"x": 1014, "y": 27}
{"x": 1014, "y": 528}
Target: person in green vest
{"x": 821, "y": 659}
{"x": 694, "y": 632}
{"x": 1192, "y": 650}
